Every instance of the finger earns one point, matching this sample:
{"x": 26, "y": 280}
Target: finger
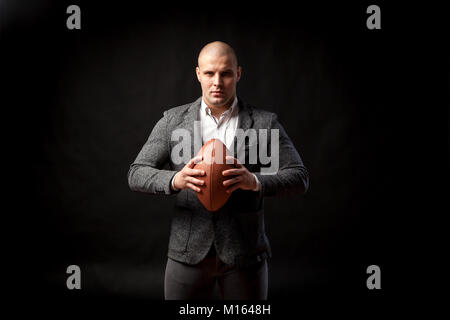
{"x": 230, "y": 159}
{"x": 194, "y": 172}
{"x": 197, "y": 159}
{"x": 195, "y": 181}
{"x": 232, "y": 172}
{"x": 191, "y": 163}
{"x": 191, "y": 186}
{"x": 229, "y": 182}
{"x": 194, "y": 161}
{"x": 234, "y": 187}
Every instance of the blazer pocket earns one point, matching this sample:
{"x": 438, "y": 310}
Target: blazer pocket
{"x": 180, "y": 230}
{"x": 181, "y": 200}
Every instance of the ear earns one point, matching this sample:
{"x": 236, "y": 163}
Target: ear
{"x": 197, "y": 71}
{"x": 239, "y": 73}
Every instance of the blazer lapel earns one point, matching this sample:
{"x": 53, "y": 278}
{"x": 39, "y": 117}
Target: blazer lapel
{"x": 245, "y": 122}
{"x": 191, "y": 122}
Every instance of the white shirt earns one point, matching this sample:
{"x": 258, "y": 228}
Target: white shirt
{"x": 223, "y": 128}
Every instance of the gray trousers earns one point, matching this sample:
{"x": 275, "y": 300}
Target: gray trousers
{"x": 183, "y": 281}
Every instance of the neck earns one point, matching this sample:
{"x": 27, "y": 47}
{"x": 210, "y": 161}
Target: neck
{"x": 217, "y": 111}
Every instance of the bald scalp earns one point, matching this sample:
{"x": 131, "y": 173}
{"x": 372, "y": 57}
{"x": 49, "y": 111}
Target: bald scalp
{"x": 217, "y": 49}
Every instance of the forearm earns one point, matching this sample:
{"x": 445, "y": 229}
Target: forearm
{"x": 146, "y": 173}
{"x": 143, "y": 178}
{"x": 294, "y": 180}
{"x": 291, "y": 177}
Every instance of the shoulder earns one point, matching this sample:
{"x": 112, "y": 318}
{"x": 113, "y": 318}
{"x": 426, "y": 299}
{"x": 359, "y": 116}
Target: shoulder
{"x": 264, "y": 114}
{"x": 254, "y": 110}
{"x": 178, "y": 110}
{"x": 177, "y": 114}
{"x": 259, "y": 114}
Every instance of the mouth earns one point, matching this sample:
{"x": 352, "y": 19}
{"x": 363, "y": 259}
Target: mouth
{"x": 217, "y": 93}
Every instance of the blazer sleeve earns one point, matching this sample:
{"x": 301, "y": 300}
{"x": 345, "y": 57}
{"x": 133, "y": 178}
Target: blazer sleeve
{"x": 292, "y": 176}
{"x": 146, "y": 173}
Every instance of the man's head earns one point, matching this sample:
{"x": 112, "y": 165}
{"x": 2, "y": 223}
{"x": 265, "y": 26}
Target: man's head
{"x": 218, "y": 73}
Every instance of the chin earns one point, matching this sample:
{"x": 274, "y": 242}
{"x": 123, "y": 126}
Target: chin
{"x": 218, "y": 102}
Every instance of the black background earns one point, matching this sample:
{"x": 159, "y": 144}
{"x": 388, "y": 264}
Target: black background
{"x": 356, "y": 103}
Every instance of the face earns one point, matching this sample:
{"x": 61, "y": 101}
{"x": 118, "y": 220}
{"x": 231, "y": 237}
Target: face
{"x": 218, "y": 76}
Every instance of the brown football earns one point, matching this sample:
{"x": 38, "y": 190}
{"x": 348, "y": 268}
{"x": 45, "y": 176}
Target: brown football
{"x": 213, "y": 193}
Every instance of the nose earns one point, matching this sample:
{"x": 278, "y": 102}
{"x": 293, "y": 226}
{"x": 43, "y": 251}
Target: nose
{"x": 217, "y": 80}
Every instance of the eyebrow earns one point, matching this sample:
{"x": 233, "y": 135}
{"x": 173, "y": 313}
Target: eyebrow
{"x": 227, "y": 70}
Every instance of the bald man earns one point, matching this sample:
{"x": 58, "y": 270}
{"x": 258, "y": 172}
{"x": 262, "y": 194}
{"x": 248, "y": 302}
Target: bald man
{"x": 228, "y": 248}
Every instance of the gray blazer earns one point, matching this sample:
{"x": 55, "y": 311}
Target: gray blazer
{"x": 237, "y": 229}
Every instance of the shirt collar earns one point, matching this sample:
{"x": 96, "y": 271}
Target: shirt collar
{"x": 206, "y": 110}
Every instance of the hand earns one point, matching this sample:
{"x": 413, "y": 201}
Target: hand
{"x": 243, "y": 179}
{"x": 184, "y": 179}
